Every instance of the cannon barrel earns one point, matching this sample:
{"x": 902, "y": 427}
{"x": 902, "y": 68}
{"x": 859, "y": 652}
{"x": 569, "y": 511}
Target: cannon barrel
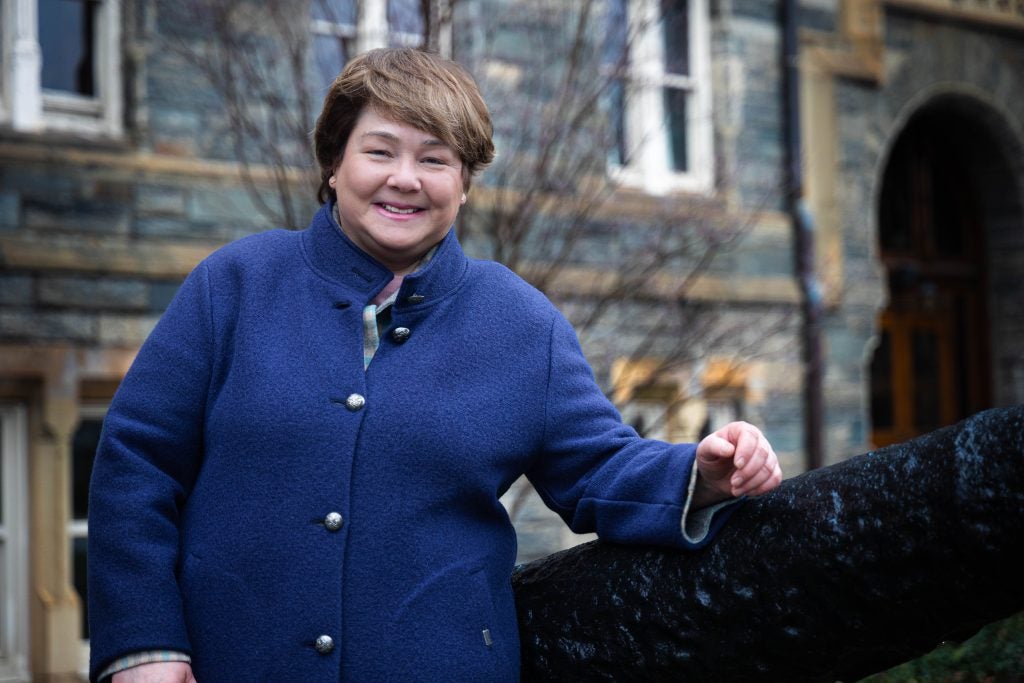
{"x": 839, "y": 573}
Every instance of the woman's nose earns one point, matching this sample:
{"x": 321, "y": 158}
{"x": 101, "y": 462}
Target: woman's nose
{"x": 404, "y": 177}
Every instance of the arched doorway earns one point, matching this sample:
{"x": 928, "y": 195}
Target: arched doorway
{"x": 932, "y": 363}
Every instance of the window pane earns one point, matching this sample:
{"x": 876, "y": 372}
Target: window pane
{"x": 618, "y": 154}
{"x": 334, "y": 11}
{"x": 950, "y": 196}
{"x": 405, "y": 16}
{"x": 66, "y": 37}
{"x": 83, "y": 453}
{"x": 926, "y": 380}
{"x": 675, "y": 35}
{"x": 614, "y": 57}
{"x": 881, "y": 384}
{"x": 79, "y": 579}
{"x": 649, "y": 418}
{"x": 331, "y": 53}
{"x": 721, "y": 410}
{"x": 676, "y": 102}
{"x": 615, "y": 46}
{"x": 1, "y": 487}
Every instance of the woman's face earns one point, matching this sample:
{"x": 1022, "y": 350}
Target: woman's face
{"x": 398, "y": 188}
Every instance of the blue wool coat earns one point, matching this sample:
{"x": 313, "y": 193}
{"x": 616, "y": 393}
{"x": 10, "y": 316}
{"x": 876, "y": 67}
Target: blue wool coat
{"x": 237, "y": 432}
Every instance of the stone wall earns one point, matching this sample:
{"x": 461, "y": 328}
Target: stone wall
{"x": 927, "y": 61}
{"x": 96, "y": 235}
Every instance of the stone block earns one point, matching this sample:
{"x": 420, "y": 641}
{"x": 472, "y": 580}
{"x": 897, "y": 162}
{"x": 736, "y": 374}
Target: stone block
{"x": 93, "y": 293}
{"x": 125, "y": 331}
{"x": 38, "y": 183}
{"x": 47, "y": 326}
{"x": 219, "y": 204}
{"x": 76, "y": 216}
{"x": 174, "y": 132}
{"x": 15, "y": 290}
{"x": 161, "y": 294}
{"x": 173, "y": 226}
{"x": 765, "y": 259}
{"x": 116, "y": 192}
{"x": 786, "y": 435}
{"x": 766, "y": 12}
{"x": 161, "y": 200}
{"x": 10, "y": 206}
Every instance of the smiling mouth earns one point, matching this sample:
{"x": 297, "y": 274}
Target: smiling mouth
{"x": 399, "y": 210}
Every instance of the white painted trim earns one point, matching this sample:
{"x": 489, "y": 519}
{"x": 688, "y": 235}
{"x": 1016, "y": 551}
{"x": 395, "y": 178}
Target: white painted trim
{"x": 6, "y": 39}
{"x": 373, "y": 24}
{"x": 25, "y": 63}
{"x": 14, "y": 650}
{"x": 644, "y": 120}
{"x": 29, "y": 108}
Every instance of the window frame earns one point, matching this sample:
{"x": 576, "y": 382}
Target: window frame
{"x": 14, "y": 652}
{"x": 78, "y": 527}
{"x": 644, "y": 118}
{"x": 371, "y": 30}
{"x": 27, "y": 107}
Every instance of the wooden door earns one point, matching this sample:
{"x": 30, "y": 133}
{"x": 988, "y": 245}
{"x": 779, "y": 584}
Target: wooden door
{"x": 931, "y": 366}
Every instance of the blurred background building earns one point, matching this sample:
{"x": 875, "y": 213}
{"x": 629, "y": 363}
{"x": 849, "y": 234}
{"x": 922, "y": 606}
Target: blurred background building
{"x": 803, "y": 214}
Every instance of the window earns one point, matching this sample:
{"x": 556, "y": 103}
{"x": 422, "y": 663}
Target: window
{"x": 13, "y": 545}
{"x": 722, "y": 405}
{"x": 83, "y": 453}
{"x": 680, "y": 405}
{"x": 343, "y": 28}
{"x": 649, "y": 398}
{"x": 62, "y": 65}
{"x": 660, "y": 101}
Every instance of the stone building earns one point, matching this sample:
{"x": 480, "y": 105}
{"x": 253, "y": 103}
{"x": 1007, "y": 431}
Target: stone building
{"x": 121, "y": 167}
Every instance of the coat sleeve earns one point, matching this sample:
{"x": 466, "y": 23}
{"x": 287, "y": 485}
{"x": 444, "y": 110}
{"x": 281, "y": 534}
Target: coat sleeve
{"x": 148, "y": 457}
{"x": 599, "y": 475}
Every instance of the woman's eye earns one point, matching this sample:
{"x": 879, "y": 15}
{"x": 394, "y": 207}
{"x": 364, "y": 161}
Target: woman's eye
{"x": 379, "y": 152}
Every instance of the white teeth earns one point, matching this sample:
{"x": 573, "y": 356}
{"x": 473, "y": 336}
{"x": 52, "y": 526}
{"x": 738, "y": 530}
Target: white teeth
{"x": 395, "y": 209}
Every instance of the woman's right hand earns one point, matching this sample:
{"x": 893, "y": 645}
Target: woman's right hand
{"x": 156, "y": 672}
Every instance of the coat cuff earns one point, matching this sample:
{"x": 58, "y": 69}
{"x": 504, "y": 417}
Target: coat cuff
{"x": 696, "y": 524}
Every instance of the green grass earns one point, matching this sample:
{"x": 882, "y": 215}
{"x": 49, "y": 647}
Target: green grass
{"x": 994, "y": 655}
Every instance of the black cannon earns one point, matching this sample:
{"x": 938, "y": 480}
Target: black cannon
{"x": 839, "y": 573}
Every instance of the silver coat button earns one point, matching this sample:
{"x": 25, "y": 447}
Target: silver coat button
{"x": 355, "y": 402}
{"x": 400, "y": 334}
{"x": 324, "y": 644}
{"x": 332, "y": 522}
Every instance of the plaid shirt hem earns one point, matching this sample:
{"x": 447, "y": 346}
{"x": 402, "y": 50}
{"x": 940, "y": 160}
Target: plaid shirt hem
{"x": 140, "y": 658}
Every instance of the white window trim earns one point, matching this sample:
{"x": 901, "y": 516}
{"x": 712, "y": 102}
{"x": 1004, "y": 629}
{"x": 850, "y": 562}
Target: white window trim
{"x": 27, "y": 107}
{"x": 14, "y": 651}
{"x": 79, "y": 528}
{"x": 644, "y": 121}
{"x": 372, "y": 30}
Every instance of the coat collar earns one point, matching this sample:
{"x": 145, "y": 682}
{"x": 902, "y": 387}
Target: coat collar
{"x": 336, "y": 258}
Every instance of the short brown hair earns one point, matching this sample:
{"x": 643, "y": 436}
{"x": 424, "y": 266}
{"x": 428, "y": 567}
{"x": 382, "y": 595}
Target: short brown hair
{"x": 414, "y": 87}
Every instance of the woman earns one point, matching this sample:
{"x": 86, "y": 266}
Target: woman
{"x": 298, "y": 479}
